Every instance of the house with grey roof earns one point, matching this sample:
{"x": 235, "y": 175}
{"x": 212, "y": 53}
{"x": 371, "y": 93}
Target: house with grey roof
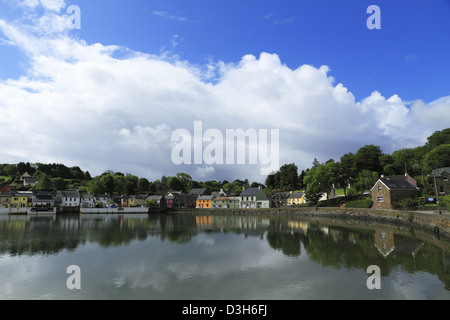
{"x": 254, "y": 198}
{"x": 68, "y": 199}
{"x": 199, "y": 192}
{"x": 387, "y": 191}
{"x": 441, "y": 177}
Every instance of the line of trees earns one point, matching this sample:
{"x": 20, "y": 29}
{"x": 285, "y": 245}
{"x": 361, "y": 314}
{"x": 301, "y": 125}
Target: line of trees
{"x": 362, "y": 169}
{"x": 359, "y": 170}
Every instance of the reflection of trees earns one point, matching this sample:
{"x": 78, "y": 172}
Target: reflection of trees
{"x": 38, "y": 236}
{"x": 340, "y": 247}
{"x": 328, "y": 245}
{"x": 280, "y": 239}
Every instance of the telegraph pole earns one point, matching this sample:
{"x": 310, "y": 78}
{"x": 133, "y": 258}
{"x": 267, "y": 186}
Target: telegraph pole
{"x": 435, "y": 191}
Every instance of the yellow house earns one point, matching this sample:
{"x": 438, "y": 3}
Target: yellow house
{"x": 296, "y": 198}
{"x": 19, "y": 200}
{"x": 5, "y": 199}
{"x": 204, "y": 202}
{"x": 134, "y": 200}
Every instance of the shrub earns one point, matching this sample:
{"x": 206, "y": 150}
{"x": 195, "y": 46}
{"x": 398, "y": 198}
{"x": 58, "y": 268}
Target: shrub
{"x": 365, "y": 203}
{"x": 406, "y": 203}
{"x": 445, "y": 201}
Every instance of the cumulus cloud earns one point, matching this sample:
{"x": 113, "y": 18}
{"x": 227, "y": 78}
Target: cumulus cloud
{"x": 110, "y": 108}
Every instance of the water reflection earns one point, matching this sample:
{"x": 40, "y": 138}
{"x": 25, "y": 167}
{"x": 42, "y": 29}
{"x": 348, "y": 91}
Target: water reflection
{"x": 331, "y": 244}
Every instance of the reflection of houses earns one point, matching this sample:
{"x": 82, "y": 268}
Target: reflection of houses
{"x": 442, "y": 181}
{"x": 384, "y": 241}
{"x": 253, "y": 198}
{"x": 295, "y": 226}
{"x": 226, "y": 202}
{"x": 389, "y": 190}
{"x": 203, "y": 221}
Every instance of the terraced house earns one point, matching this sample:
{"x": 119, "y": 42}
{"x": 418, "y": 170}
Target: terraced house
{"x": 5, "y": 199}
{"x": 226, "y": 202}
{"x": 253, "y": 198}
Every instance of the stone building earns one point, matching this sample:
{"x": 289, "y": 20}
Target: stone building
{"x": 442, "y": 181}
{"x": 386, "y": 192}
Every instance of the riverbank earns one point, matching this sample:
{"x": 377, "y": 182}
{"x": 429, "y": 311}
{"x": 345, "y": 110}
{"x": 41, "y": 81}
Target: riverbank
{"x": 429, "y": 221}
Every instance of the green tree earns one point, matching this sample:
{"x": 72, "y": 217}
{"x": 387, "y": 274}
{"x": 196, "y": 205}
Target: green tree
{"x": 439, "y": 157}
{"x": 438, "y": 138}
{"x": 365, "y": 180}
{"x": 212, "y": 185}
{"x": 368, "y": 158}
{"x": 132, "y": 183}
{"x": 59, "y": 184}
{"x": 347, "y": 170}
{"x": 44, "y": 184}
{"x": 120, "y": 184}
{"x": 175, "y": 184}
{"x": 289, "y": 177}
{"x": 108, "y": 182}
{"x": 186, "y": 180}
{"x": 313, "y": 187}
{"x": 97, "y": 186}
{"x": 143, "y": 185}
{"x": 11, "y": 170}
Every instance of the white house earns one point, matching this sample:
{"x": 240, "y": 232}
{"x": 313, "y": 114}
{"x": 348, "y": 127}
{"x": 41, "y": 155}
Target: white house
{"x": 70, "y": 199}
{"x": 87, "y": 201}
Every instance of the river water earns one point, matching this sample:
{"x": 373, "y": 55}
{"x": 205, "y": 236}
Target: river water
{"x": 226, "y": 257}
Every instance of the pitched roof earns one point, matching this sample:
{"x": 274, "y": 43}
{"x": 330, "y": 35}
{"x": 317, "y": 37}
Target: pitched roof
{"x": 155, "y": 198}
{"x": 199, "y": 191}
{"x": 296, "y": 195}
{"x": 69, "y": 194}
{"x": 206, "y": 197}
{"x": 227, "y": 199}
{"x": 250, "y": 192}
{"x": 441, "y": 172}
{"x": 397, "y": 184}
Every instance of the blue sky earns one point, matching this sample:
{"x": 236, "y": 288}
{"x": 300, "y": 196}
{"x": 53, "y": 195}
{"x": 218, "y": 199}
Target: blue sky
{"x": 401, "y": 71}
{"x": 410, "y": 50}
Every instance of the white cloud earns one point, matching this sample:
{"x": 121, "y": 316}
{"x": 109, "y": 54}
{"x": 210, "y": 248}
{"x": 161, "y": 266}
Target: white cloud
{"x": 81, "y": 105}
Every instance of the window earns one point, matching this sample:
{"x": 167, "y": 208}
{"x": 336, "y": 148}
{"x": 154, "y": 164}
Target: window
{"x": 445, "y": 178}
{"x": 441, "y": 189}
{"x": 380, "y": 199}
{"x": 380, "y": 189}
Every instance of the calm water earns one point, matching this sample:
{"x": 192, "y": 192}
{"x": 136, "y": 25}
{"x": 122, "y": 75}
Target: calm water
{"x": 217, "y": 257}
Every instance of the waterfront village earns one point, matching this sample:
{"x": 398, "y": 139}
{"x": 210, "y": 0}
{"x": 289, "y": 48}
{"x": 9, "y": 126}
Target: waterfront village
{"x": 386, "y": 191}
{"x": 412, "y": 179}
